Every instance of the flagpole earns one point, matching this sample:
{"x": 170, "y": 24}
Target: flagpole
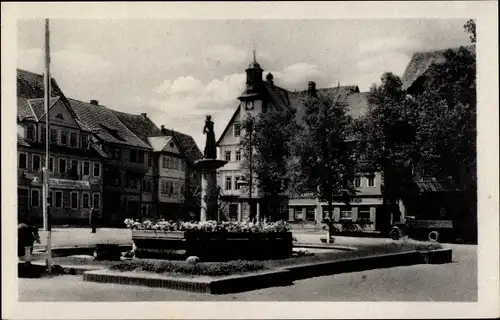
{"x": 47, "y": 91}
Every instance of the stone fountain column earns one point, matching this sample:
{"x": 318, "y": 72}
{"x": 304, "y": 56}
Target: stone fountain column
{"x": 208, "y": 167}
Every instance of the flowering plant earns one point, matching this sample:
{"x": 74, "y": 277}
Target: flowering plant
{"x": 209, "y": 226}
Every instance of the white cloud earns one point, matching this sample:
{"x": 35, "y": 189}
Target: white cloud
{"x": 388, "y": 44}
{"x": 72, "y": 59}
{"x": 296, "y": 76}
{"x": 183, "y": 103}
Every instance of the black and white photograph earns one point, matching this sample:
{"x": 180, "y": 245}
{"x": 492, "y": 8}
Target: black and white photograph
{"x": 251, "y": 153}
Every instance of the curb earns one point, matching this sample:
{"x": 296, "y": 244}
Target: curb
{"x": 279, "y": 277}
{"x": 230, "y": 284}
{"x": 323, "y": 246}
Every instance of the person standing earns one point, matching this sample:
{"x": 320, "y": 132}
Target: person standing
{"x": 93, "y": 219}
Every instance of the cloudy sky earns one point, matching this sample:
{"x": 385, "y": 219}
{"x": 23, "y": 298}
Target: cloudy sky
{"x": 179, "y": 71}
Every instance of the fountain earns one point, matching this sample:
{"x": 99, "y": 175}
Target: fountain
{"x": 208, "y": 167}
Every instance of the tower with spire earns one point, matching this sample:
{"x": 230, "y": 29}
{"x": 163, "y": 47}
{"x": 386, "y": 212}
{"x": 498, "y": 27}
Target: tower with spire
{"x": 254, "y": 81}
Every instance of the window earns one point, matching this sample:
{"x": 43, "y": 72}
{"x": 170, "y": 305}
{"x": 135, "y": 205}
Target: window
{"x": 310, "y": 214}
{"x": 84, "y": 140}
{"x": 150, "y": 159}
{"x": 364, "y": 213}
{"x": 237, "y": 129}
{"x": 43, "y": 134}
{"x": 371, "y": 181}
{"x": 297, "y": 214}
{"x": 357, "y": 182}
{"x": 53, "y": 136}
{"x": 183, "y": 189}
{"x": 73, "y": 139}
{"x": 133, "y": 155}
{"x": 23, "y": 161}
{"x": 163, "y": 187}
{"x": 35, "y": 198}
{"x": 345, "y": 213}
{"x": 133, "y": 183}
{"x": 140, "y": 156}
{"x": 85, "y": 200}
{"x": 96, "y": 200}
{"x": 86, "y": 168}
{"x": 59, "y": 199}
{"x": 238, "y": 155}
{"x": 164, "y": 162}
{"x": 233, "y": 211}
{"x": 118, "y": 153}
{"x": 51, "y": 164}
{"x": 237, "y": 184}
{"x": 227, "y": 156}
{"x": 97, "y": 169}
{"x": 36, "y": 162}
{"x": 74, "y": 200}
{"x": 30, "y": 132}
{"x": 229, "y": 183}
{"x": 64, "y": 138}
{"x": 74, "y": 167}
{"x": 62, "y": 165}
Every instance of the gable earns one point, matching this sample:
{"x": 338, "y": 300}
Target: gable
{"x": 171, "y": 146}
{"x": 227, "y": 136}
{"x": 60, "y": 115}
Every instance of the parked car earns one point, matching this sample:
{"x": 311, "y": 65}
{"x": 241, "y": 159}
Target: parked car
{"x": 432, "y": 230}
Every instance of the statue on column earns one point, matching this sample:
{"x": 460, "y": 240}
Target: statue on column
{"x": 210, "y": 151}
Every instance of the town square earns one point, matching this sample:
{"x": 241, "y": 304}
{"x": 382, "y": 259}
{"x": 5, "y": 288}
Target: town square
{"x": 328, "y": 160}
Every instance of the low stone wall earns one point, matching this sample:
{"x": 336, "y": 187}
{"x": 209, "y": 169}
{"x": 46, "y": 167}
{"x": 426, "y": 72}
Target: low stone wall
{"x": 212, "y": 246}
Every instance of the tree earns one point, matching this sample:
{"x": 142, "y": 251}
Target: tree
{"x": 386, "y": 140}
{"x": 323, "y": 162}
{"x": 470, "y": 28}
{"x": 447, "y": 121}
{"x": 269, "y": 144}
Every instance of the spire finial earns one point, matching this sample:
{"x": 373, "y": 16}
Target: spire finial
{"x": 254, "y": 50}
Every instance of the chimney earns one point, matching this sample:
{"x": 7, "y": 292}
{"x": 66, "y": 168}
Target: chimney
{"x": 311, "y": 88}
{"x": 269, "y": 78}
{"x": 163, "y": 130}
{"x": 94, "y": 102}
{"x": 145, "y": 115}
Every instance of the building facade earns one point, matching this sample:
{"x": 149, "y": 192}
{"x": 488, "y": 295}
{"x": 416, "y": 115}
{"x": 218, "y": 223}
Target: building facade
{"x": 304, "y": 211}
{"x": 99, "y": 159}
{"x": 75, "y": 167}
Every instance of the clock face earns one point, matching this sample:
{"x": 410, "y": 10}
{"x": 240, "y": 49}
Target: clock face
{"x": 249, "y": 105}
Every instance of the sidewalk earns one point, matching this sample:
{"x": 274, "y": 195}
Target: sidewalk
{"x": 77, "y": 237}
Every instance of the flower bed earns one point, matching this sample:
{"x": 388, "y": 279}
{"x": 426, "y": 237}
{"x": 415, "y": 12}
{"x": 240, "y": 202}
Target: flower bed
{"x": 183, "y": 268}
{"x": 211, "y": 240}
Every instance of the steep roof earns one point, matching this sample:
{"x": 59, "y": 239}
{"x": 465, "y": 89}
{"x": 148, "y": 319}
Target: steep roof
{"x": 420, "y": 62}
{"x": 350, "y": 95}
{"x": 143, "y": 127}
{"x": 31, "y": 85}
{"x": 284, "y": 99}
{"x": 105, "y": 125}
